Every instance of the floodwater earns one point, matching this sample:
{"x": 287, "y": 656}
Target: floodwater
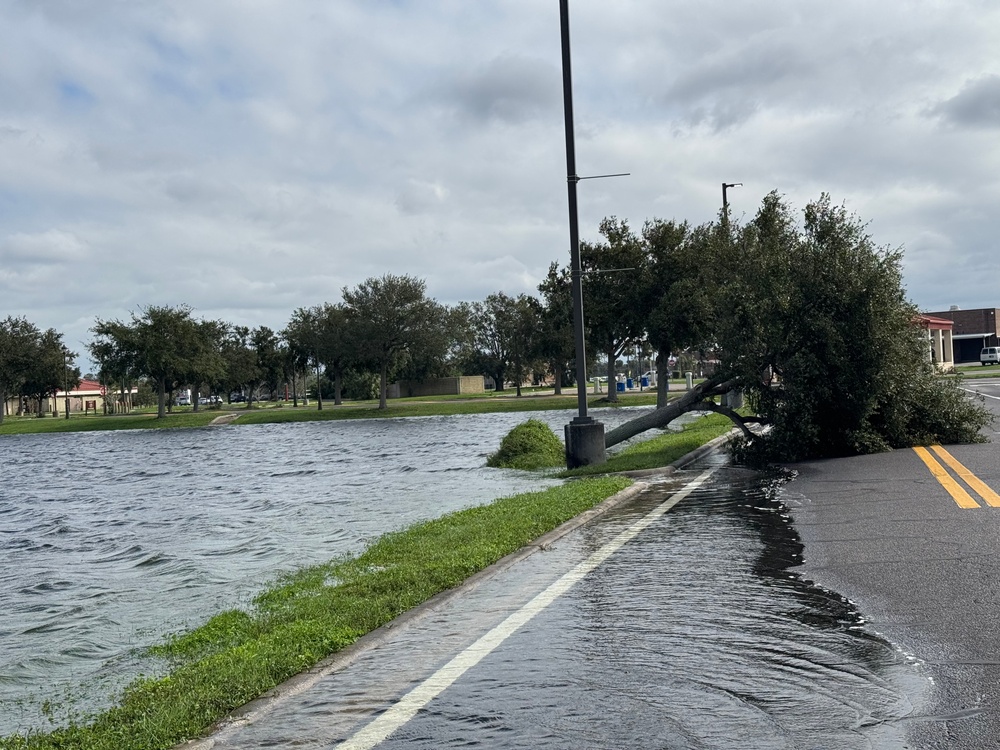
{"x": 111, "y": 540}
{"x": 694, "y": 635}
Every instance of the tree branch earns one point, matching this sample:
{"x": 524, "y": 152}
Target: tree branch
{"x": 690, "y": 401}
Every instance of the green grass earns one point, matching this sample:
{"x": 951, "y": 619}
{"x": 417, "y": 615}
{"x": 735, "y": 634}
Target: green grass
{"x": 431, "y": 406}
{"x": 661, "y": 450}
{"x": 90, "y": 423}
{"x": 975, "y": 370}
{"x": 237, "y": 656}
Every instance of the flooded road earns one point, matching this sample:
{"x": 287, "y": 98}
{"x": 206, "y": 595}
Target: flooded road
{"x": 694, "y": 634}
{"x": 111, "y": 540}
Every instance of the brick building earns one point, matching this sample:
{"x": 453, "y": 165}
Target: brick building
{"x": 973, "y": 330}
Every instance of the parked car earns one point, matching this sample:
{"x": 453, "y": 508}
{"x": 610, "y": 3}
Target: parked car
{"x": 990, "y": 355}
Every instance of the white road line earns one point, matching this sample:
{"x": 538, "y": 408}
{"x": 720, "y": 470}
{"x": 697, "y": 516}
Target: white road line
{"x": 408, "y": 706}
{"x": 980, "y": 393}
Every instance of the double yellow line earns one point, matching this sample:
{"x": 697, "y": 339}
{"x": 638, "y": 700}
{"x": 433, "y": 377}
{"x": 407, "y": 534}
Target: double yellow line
{"x": 958, "y": 493}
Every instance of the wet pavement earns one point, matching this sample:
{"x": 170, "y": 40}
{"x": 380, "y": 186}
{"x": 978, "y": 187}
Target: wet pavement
{"x": 692, "y": 633}
{"x": 922, "y": 563}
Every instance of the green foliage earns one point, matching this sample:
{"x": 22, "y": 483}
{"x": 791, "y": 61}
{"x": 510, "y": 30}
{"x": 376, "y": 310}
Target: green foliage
{"x": 613, "y": 300}
{"x": 816, "y": 327}
{"x": 508, "y": 340}
{"x": 530, "y": 445}
{"x": 392, "y": 319}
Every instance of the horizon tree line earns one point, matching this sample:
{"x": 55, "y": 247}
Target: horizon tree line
{"x": 809, "y": 319}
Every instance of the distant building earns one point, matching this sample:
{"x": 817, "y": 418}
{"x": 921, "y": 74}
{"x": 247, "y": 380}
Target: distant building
{"x": 940, "y": 340}
{"x": 973, "y": 330}
{"x": 437, "y": 387}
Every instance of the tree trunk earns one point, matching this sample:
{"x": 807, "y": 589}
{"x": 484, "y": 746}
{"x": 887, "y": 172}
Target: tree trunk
{"x": 662, "y": 379}
{"x": 338, "y": 388}
{"x": 319, "y": 389}
{"x": 557, "y": 373}
{"x": 383, "y": 382}
{"x": 612, "y": 379}
{"x": 161, "y": 398}
{"x": 690, "y": 401}
{"x": 3, "y": 403}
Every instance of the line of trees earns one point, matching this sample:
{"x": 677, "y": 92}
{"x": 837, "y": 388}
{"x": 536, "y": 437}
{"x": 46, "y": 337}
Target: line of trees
{"x": 34, "y": 364}
{"x": 808, "y": 319}
{"x": 384, "y": 328}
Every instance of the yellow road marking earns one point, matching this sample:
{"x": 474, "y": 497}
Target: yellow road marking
{"x": 959, "y": 495}
{"x": 968, "y": 477}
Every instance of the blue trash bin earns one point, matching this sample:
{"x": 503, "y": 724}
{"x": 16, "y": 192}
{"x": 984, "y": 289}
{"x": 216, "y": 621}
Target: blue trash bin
{"x": 644, "y": 381}
{"x": 629, "y": 383}
{"x": 621, "y": 387}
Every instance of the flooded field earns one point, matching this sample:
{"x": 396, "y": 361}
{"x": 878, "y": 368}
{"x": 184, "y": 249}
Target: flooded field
{"x": 111, "y": 540}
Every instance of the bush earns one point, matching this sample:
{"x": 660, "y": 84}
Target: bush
{"x": 531, "y": 445}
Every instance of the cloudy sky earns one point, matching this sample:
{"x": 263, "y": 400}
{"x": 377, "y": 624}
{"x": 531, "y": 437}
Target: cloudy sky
{"x": 250, "y": 157}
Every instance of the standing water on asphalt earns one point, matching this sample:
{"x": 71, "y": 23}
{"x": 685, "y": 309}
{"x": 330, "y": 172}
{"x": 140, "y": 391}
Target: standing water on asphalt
{"x": 693, "y": 635}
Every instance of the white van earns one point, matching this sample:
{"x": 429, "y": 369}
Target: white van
{"x": 990, "y": 355}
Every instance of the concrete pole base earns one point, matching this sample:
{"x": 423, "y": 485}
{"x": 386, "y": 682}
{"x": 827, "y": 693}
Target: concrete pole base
{"x": 584, "y": 443}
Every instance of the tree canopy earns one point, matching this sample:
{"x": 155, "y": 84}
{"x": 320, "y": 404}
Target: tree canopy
{"x": 811, "y": 322}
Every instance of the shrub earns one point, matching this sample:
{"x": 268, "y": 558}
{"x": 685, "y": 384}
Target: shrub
{"x": 531, "y": 445}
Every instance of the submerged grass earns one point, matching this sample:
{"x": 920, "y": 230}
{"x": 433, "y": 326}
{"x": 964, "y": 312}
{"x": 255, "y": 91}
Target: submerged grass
{"x": 237, "y": 656}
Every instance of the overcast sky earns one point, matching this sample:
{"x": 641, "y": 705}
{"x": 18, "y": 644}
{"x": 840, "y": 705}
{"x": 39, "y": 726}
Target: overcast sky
{"x": 250, "y": 157}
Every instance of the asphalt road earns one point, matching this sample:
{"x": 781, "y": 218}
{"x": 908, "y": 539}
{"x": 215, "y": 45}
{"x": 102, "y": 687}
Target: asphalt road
{"x": 919, "y": 556}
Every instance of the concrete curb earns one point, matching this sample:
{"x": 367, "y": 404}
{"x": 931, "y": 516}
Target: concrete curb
{"x": 301, "y": 682}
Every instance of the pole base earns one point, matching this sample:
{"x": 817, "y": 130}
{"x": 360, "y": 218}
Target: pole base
{"x": 584, "y": 443}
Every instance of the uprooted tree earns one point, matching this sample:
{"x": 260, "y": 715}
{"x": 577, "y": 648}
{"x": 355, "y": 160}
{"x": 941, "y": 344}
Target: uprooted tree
{"x": 812, "y": 324}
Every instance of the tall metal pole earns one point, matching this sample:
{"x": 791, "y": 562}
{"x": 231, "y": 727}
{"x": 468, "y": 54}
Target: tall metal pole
{"x": 574, "y": 228}
{"x": 725, "y": 201}
{"x": 584, "y": 436}
{"x": 66, "y": 380}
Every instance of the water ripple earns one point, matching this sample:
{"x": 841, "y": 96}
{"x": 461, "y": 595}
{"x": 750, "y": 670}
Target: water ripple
{"x": 141, "y": 533}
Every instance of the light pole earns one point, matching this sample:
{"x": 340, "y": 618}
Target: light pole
{"x": 725, "y": 202}
{"x": 584, "y": 435}
{"x": 66, "y": 380}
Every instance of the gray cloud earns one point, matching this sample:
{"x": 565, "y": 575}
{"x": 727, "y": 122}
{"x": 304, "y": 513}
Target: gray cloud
{"x": 976, "y": 105}
{"x": 247, "y": 160}
{"x": 509, "y": 89}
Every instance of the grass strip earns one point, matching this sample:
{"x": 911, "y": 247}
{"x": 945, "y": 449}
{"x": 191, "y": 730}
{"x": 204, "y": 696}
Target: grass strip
{"x": 662, "y": 450}
{"x": 431, "y": 406}
{"x": 239, "y": 655}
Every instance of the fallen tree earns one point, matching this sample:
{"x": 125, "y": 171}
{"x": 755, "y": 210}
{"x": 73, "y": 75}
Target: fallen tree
{"x": 699, "y": 398}
{"x": 811, "y": 323}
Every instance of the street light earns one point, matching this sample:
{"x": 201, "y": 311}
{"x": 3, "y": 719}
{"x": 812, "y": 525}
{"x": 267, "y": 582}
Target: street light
{"x": 584, "y": 435}
{"x": 66, "y": 380}
{"x": 725, "y": 203}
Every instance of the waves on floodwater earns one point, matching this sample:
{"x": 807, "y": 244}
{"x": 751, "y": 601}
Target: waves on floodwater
{"x": 111, "y": 540}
